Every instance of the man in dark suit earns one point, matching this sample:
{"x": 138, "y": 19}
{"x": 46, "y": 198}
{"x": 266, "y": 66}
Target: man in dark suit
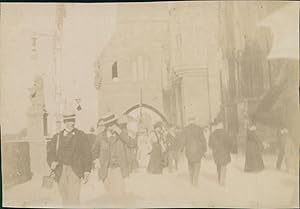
{"x": 195, "y": 148}
{"x": 221, "y": 146}
{"x": 69, "y": 156}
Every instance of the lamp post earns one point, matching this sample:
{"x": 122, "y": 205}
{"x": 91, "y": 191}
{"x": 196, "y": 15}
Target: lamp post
{"x": 57, "y": 45}
{"x": 78, "y": 101}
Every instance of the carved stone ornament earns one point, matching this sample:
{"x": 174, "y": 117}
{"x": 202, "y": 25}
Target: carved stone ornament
{"x": 98, "y": 75}
{"x": 36, "y": 94}
{"x": 98, "y": 79}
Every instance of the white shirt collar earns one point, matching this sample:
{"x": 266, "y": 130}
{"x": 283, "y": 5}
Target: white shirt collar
{"x": 66, "y": 131}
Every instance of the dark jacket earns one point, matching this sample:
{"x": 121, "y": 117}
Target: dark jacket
{"x": 172, "y": 142}
{"x": 253, "y": 155}
{"x": 92, "y": 139}
{"x": 131, "y": 154}
{"x": 194, "y": 142}
{"x": 102, "y": 150}
{"x": 221, "y": 146}
{"x": 81, "y": 155}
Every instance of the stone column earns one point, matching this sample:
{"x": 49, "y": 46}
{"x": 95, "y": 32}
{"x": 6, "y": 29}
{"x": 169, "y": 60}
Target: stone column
{"x": 195, "y": 94}
{"x": 194, "y": 58}
{"x": 35, "y": 128}
{"x": 37, "y": 143}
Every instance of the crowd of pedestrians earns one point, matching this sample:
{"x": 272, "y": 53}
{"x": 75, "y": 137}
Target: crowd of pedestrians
{"x": 113, "y": 151}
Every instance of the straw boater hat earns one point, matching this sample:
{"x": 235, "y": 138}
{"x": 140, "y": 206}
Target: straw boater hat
{"x": 107, "y": 119}
{"x": 69, "y": 118}
{"x": 69, "y": 115}
{"x": 192, "y": 120}
{"x": 125, "y": 119}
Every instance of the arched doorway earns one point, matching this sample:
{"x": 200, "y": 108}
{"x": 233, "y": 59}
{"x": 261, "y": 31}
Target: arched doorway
{"x": 146, "y": 116}
{"x": 137, "y": 106}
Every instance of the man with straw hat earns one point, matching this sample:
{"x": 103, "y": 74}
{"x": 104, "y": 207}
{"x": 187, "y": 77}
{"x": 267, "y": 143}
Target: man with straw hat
{"x": 69, "y": 156}
{"x": 110, "y": 151}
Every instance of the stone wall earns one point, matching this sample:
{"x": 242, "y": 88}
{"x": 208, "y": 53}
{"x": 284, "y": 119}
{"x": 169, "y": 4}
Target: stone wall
{"x": 196, "y": 58}
{"x": 137, "y": 47}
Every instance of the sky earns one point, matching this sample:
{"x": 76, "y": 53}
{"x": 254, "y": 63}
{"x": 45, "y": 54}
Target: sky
{"x": 86, "y": 31}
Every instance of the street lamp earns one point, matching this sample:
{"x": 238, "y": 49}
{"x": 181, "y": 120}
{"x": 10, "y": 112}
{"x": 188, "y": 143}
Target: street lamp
{"x": 78, "y": 100}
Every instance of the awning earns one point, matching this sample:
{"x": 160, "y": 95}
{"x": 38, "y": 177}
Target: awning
{"x": 284, "y": 24}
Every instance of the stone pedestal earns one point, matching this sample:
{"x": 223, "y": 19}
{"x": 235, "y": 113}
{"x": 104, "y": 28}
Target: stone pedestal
{"x": 38, "y": 162}
{"x": 35, "y": 127}
{"x": 37, "y": 141}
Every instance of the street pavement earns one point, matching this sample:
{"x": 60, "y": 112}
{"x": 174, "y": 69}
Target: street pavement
{"x": 267, "y": 189}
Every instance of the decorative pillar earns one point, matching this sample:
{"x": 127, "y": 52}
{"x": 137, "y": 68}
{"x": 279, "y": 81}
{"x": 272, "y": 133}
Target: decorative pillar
{"x": 36, "y": 129}
{"x": 98, "y": 83}
{"x": 195, "y": 58}
{"x": 194, "y": 94}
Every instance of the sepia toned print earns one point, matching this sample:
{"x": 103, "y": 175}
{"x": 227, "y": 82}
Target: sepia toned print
{"x": 158, "y": 104}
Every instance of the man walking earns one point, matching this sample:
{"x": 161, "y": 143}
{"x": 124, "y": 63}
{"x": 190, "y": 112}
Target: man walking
{"x": 172, "y": 151}
{"x": 69, "y": 156}
{"x": 131, "y": 150}
{"x": 157, "y": 161}
{"x": 195, "y": 148}
{"x": 221, "y": 147}
{"x": 110, "y": 151}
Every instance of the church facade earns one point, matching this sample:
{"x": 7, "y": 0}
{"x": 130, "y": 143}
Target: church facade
{"x": 159, "y": 57}
{"x": 132, "y": 64}
{"x": 188, "y": 60}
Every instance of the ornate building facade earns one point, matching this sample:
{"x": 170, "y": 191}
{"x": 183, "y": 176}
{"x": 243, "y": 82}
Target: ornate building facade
{"x": 164, "y": 60}
{"x": 249, "y": 75}
{"x": 195, "y": 60}
{"x": 200, "y": 59}
{"x": 132, "y": 66}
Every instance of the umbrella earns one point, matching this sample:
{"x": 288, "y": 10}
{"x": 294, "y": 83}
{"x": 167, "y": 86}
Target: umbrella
{"x": 284, "y": 24}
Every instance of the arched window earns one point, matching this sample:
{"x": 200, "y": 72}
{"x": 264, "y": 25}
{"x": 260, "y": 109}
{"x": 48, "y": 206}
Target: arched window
{"x": 114, "y": 71}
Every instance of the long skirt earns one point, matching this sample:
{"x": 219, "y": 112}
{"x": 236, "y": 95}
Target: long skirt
{"x": 291, "y": 157}
{"x": 254, "y": 161}
{"x": 155, "y": 165}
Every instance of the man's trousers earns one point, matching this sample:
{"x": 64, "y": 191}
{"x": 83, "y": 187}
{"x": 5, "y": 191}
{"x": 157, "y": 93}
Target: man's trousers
{"x": 69, "y": 187}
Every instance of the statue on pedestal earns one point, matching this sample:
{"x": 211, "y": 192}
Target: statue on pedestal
{"x": 36, "y": 112}
{"x": 36, "y": 95}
